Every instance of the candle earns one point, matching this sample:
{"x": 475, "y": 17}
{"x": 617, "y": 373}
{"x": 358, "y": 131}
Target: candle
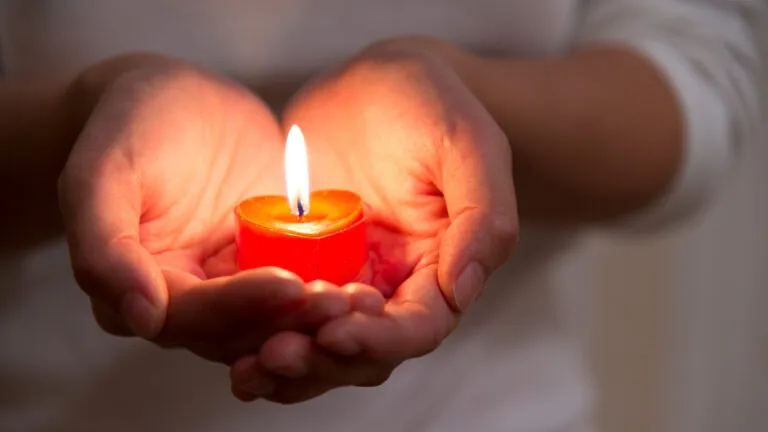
{"x": 318, "y": 235}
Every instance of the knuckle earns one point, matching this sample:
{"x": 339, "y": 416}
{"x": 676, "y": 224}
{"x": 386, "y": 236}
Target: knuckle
{"x": 90, "y": 269}
{"x": 506, "y": 229}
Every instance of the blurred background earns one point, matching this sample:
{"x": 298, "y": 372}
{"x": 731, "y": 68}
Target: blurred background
{"x": 678, "y": 334}
{"x": 684, "y": 348}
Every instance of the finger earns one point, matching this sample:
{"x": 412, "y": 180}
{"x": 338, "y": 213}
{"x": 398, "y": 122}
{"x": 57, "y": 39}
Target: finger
{"x": 365, "y": 298}
{"x": 476, "y": 180}
{"x": 210, "y": 310}
{"x": 243, "y": 395}
{"x": 324, "y": 302}
{"x": 221, "y": 319}
{"x": 291, "y": 368}
{"x": 293, "y": 392}
{"x": 250, "y": 380}
{"x": 414, "y": 323}
{"x": 223, "y": 263}
{"x": 109, "y": 321}
{"x": 100, "y": 204}
{"x": 287, "y": 354}
{"x": 296, "y": 356}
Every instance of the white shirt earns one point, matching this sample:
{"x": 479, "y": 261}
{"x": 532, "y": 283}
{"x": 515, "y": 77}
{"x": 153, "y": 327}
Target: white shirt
{"x": 513, "y": 364}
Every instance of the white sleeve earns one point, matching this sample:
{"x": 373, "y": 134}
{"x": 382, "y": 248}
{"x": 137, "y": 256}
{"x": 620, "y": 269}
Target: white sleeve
{"x": 708, "y": 52}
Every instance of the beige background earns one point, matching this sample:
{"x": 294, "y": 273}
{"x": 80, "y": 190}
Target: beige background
{"x": 679, "y": 330}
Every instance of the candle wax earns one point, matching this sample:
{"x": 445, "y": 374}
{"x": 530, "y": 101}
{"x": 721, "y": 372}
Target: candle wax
{"x": 326, "y": 243}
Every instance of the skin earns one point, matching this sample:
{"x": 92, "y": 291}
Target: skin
{"x": 151, "y": 239}
{"x": 418, "y": 94}
{"x": 442, "y": 211}
{"x": 487, "y": 139}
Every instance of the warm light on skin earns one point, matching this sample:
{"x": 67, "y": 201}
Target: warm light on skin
{"x": 296, "y": 172}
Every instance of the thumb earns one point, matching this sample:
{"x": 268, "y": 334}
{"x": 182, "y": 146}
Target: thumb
{"x": 101, "y": 211}
{"x": 476, "y": 178}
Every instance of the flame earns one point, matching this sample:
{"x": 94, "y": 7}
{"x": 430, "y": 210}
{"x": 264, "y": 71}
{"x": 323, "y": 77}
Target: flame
{"x": 296, "y": 172}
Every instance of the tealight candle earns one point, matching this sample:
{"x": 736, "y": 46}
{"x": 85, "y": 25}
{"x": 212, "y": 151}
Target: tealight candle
{"x": 316, "y": 236}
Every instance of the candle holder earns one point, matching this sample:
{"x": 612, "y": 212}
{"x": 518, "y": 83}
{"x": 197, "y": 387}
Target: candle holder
{"x": 328, "y": 243}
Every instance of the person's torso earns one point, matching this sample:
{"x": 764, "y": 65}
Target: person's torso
{"x": 509, "y": 366}
{"x": 273, "y": 45}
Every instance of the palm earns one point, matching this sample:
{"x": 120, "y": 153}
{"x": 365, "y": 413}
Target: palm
{"x": 211, "y": 149}
{"x": 388, "y": 157}
{"x": 163, "y": 161}
{"x": 433, "y": 167}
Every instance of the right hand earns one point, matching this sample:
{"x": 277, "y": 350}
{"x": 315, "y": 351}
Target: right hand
{"x": 398, "y": 126}
{"x": 147, "y": 196}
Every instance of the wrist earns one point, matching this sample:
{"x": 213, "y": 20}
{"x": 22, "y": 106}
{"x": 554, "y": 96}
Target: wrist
{"x": 575, "y": 122}
{"x": 85, "y": 91}
{"x": 523, "y": 80}
{"x": 40, "y": 123}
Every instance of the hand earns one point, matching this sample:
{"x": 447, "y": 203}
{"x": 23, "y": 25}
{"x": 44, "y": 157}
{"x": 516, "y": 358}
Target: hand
{"x": 148, "y": 197}
{"x": 400, "y": 128}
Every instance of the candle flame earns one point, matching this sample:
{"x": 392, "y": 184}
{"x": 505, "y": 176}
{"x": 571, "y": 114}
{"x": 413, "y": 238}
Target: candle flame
{"x": 296, "y": 172}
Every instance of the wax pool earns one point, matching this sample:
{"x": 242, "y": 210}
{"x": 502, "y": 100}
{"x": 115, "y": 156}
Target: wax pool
{"x": 328, "y": 243}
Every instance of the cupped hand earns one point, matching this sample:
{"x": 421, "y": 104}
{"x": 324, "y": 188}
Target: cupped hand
{"x": 147, "y": 197}
{"x": 399, "y": 127}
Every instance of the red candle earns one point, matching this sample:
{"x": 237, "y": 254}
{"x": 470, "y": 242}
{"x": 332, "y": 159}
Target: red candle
{"x": 317, "y": 236}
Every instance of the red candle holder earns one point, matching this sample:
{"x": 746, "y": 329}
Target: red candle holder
{"x": 328, "y": 243}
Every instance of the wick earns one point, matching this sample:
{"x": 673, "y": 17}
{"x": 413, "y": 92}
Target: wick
{"x": 300, "y": 208}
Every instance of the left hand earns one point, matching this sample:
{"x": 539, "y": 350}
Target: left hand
{"x": 147, "y": 196}
{"x": 399, "y": 127}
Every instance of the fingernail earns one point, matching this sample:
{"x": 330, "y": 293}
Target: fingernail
{"x": 468, "y": 285}
{"x": 141, "y": 316}
{"x": 260, "y": 387}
